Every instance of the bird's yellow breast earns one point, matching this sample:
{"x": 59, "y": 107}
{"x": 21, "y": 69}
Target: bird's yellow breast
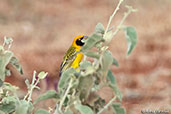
{"x": 77, "y": 60}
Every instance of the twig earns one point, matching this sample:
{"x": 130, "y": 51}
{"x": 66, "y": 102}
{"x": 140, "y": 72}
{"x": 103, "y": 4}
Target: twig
{"x": 107, "y": 105}
{"x": 66, "y": 93}
{"x": 130, "y": 10}
{"x": 56, "y": 110}
{"x": 32, "y": 86}
{"x": 107, "y": 28}
{"x": 111, "y": 17}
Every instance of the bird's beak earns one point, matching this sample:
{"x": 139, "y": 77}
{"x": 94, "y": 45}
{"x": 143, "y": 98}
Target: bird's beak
{"x": 85, "y": 37}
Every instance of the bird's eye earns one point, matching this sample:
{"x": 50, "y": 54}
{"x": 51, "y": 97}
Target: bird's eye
{"x": 79, "y": 42}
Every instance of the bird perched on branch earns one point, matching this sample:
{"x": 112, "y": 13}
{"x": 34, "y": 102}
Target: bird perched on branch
{"x": 73, "y": 56}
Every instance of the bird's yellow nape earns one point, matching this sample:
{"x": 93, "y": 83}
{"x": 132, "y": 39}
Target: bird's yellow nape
{"x": 75, "y": 39}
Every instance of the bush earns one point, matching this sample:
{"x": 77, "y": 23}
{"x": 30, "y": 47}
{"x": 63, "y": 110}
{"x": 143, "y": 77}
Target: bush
{"x": 77, "y": 88}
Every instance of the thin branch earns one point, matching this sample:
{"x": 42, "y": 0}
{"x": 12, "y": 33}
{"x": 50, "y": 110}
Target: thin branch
{"x": 107, "y": 105}
{"x": 32, "y": 86}
{"x": 65, "y": 95}
{"x": 56, "y": 110}
{"x": 130, "y": 10}
{"x": 112, "y": 16}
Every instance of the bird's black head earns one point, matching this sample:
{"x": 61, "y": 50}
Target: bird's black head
{"x": 80, "y": 42}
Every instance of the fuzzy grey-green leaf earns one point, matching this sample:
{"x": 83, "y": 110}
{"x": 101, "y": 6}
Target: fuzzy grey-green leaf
{"x": 8, "y": 108}
{"x": 14, "y": 61}
{"x": 108, "y": 37}
{"x": 1, "y": 82}
{"x": 65, "y": 77}
{"x": 85, "y": 64}
{"x": 1, "y": 48}
{"x": 112, "y": 84}
{"x": 107, "y": 60}
{"x": 110, "y": 77}
{"x": 115, "y": 62}
{"x": 68, "y": 112}
{"x": 7, "y": 72}
{"x": 48, "y": 95}
{"x": 1, "y": 112}
{"x": 22, "y": 107}
{"x": 85, "y": 86}
{"x": 42, "y": 75}
{"x": 8, "y": 99}
{"x": 91, "y": 41}
{"x": 118, "y": 109}
{"x": 131, "y": 37}
{"x": 99, "y": 28}
{"x": 87, "y": 67}
{"x": 92, "y": 54}
{"x": 42, "y": 111}
{"x": 5, "y": 57}
{"x": 84, "y": 109}
{"x": 117, "y": 91}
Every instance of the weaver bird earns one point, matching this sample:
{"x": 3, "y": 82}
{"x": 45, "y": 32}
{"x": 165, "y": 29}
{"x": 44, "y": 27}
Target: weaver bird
{"x": 73, "y": 56}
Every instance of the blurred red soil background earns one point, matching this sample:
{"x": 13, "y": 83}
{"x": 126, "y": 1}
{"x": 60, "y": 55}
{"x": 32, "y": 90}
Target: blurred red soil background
{"x": 43, "y": 30}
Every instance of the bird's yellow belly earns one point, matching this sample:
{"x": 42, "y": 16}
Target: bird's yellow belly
{"x": 77, "y": 60}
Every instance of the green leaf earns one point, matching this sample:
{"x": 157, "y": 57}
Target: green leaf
{"x": 91, "y": 41}
{"x": 22, "y": 107}
{"x": 118, "y": 109}
{"x": 1, "y": 49}
{"x": 85, "y": 64}
{"x": 68, "y": 112}
{"x": 5, "y": 57}
{"x": 42, "y": 111}
{"x": 111, "y": 78}
{"x": 87, "y": 67}
{"x": 117, "y": 91}
{"x": 8, "y": 108}
{"x": 131, "y": 37}
{"x": 7, "y": 72}
{"x": 1, "y": 112}
{"x": 42, "y": 75}
{"x": 89, "y": 70}
{"x": 10, "y": 87}
{"x": 1, "y": 82}
{"x": 113, "y": 84}
{"x": 8, "y": 99}
{"x": 48, "y": 95}
{"x": 108, "y": 37}
{"x": 92, "y": 54}
{"x": 14, "y": 61}
{"x": 85, "y": 86}
{"x": 99, "y": 28}
{"x": 84, "y": 109}
{"x": 115, "y": 62}
{"x": 107, "y": 60}
{"x": 65, "y": 78}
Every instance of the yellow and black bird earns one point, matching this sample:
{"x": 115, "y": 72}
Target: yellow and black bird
{"x": 73, "y": 56}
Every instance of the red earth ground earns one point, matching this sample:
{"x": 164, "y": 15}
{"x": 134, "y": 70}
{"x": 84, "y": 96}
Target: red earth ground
{"x": 43, "y": 30}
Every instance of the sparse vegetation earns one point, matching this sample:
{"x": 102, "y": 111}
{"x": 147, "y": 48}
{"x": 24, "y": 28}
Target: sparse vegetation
{"x": 77, "y": 88}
